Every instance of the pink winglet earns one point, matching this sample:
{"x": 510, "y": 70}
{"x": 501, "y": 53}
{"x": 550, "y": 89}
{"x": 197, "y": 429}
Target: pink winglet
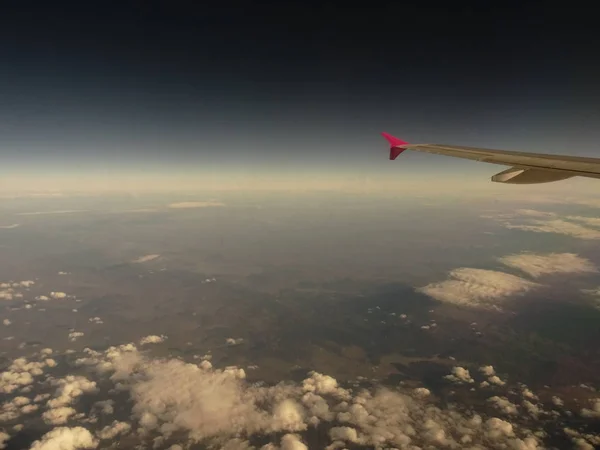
{"x": 395, "y": 144}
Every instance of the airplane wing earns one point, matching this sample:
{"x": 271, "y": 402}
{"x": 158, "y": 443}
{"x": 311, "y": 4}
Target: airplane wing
{"x": 527, "y": 168}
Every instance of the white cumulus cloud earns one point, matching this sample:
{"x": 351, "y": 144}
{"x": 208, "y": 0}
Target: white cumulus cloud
{"x": 58, "y": 416}
{"x": 3, "y": 438}
{"x": 152, "y": 339}
{"x": 64, "y": 438}
{"x": 114, "y": 429}
{"x": 460, "y": 375}
{"x": 74, "y": 335}
{"x": 487, "y": 370}
{"x": 477, "y": 287}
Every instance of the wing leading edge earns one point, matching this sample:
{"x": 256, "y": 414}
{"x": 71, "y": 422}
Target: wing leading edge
{"x": 527, "y": 168}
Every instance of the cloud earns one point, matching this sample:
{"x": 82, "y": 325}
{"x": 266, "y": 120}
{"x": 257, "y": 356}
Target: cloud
{"x": 18, "y": 406}
{"x": 459, "y": 375}
{"x": 487, "y": 370}
{"x": 170, "y": 399}
{"x": 234, "y": 341}
{"x": 10, "y": 227}
{"x": 11, "y": 290}
{"x": 504, "y": 405}
{"x": 521, "y": 214}
{"x": 74, "y": 335}
{"x": 537, "y": 265}
{"x": 534, "y": 213}
{"x": 477, "y": 287}
{"x": 115, "y": 429}
{"x": 594, "y": 295}
{"x": 143, "y": 259}
{"x": 39, "y": 213}
{"x": 172, "y": 395}
{"x": 139, "y": 210}
{"x": 549, "y": 222}
{"x": 105, "y": 407}
{"x": 526, "y": 392}
{"x": 558, "y": 226}
{"x": 59, "y": 415}
{"x": 292, "y": 442}
{"x": 484, "y": 288}
{"x": 495, "y": 379}
{"x": 185, "y": 205}
{"x": 532, "y": 409}
{"x": 594, "y": 411}
{"x": 3, "y": 438}
{"x": 344, "y": 434}
{"x": 69, "y": 388}
{"x": 152, "y": 339}
{"x": 421, "y": 392}
{"x": 20, "y": 373}
{"x": 591, "y": 221}
{"x": 7, "y": 294}
{"x": 64, "y": 438}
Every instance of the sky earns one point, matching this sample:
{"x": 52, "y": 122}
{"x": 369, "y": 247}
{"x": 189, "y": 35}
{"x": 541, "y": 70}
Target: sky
{"x": 286, "y": 90}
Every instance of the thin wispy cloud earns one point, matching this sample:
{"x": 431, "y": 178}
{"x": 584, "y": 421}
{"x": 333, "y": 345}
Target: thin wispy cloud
{"x": 185, "y": 205}
{"x": 139, "y": 210}
{"x": 146, "y": 258}
{"x": 557, "y": 226}
{"x": 591, "y": 221}
{"x": 593, "y": 295}
{"x": 537, "y": 265}
{"x": 534, "y": 213}
{"x": 40, "y": 213}
{"x": 532, "y": 220}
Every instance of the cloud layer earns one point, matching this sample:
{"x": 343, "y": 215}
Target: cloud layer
{"x": 169, "y": 403}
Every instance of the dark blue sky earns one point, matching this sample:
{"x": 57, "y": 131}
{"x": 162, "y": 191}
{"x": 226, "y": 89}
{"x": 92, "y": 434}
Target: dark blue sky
{"x": 289, "y": 85}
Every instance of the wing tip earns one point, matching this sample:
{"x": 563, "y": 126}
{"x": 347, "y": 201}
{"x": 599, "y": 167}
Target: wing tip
{"x": 395, "y": 144}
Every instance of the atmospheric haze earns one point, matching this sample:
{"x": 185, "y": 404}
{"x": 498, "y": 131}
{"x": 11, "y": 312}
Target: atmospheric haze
{"x": 289, "y": 319}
